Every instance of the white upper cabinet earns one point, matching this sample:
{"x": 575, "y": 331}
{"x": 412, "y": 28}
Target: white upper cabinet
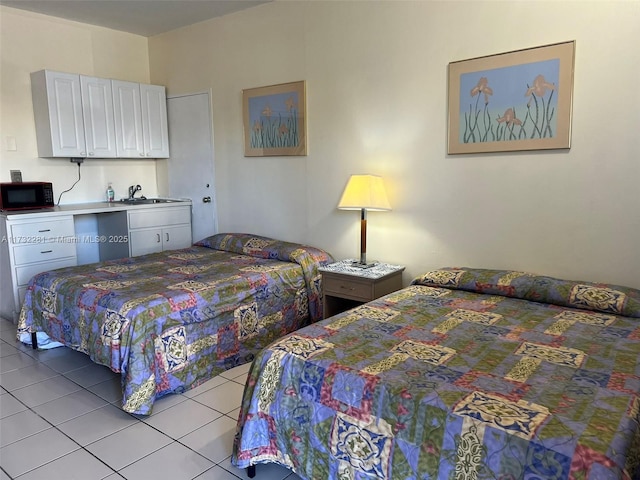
{"x": 154, "y": 120}
{"x": 128, "y": 119}
{"x": 90, "y": 117}
{"x": 97, "y": 109}
{"x": 57, "y": 107}
{"x": 141, "y": 120}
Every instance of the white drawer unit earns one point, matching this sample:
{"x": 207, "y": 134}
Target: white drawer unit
{"x": 159, "y": 229}
{"x": 32, "y": 246}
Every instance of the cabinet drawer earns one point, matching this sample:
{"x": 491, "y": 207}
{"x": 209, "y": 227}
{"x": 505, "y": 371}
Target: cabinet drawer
{"x": 42, "y": 252}
{"x": 347, "y": 288}
{"x": 159, "y": 217}
{"x": 24, "y": 274}
{"x": 38, "y": 232}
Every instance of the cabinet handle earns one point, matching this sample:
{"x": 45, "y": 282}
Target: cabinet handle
{"x": 142, "y": 154}
{"x": 46, "y": 251}
{"x": 159, "y": 239}
{"x": 83, "y": 154}
{"x": 167, "y": 235}
{"x": 342, "y": 287}
{"x": 45, "y": 230}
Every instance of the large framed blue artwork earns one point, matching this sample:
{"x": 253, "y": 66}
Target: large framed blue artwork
{"x": 275, "y": 120}
{"x": 519, "y": 100}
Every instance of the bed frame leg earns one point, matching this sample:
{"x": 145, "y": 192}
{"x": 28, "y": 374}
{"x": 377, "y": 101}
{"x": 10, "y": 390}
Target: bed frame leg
{"x": 34, "y": 340}
{"x": 251, "y": 471}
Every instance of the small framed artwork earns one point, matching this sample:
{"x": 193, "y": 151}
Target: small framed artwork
{"x": 512, "y": 101}
{"x": 275, "y": 120}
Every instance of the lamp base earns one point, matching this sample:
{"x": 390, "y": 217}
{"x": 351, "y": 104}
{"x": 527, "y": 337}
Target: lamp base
{"x": 357, "y": 264}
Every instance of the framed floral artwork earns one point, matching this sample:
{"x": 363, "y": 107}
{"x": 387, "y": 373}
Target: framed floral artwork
{"x": 275, "y": 120}
{"x": 520, "y": 100}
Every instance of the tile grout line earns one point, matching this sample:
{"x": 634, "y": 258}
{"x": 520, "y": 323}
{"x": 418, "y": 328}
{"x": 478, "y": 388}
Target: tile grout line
{"x": 63, "y": 374}
{"x": 80, "y": 447}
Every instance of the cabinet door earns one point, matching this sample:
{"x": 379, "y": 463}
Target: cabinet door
{"x": 145, "y": 241}
{"x": 176, "y": 237}
{"x": 154, "y": 121}
{"x": 57, "y": 108}
{"x": 152, "y": 240}
{"x": 159, "y": 228}
{"x": 128, "y": 119}
{"x": 97, "y": 108}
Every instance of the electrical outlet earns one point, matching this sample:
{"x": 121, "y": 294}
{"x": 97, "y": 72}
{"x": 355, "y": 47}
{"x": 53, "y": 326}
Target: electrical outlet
{"x": 16, "y": 176}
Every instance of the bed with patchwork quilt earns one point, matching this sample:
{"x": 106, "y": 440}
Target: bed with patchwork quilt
{"x": 169, "y": 321}
{"x": 464, "y": 374}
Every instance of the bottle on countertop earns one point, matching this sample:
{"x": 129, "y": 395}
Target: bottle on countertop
{"x": 111, "y": 195}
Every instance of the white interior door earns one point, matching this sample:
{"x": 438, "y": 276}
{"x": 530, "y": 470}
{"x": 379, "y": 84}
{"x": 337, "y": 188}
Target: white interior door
{"x": 190, "y": 167}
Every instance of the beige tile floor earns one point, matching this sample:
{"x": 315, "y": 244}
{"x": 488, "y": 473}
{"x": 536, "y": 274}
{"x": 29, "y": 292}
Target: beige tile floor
{"x": 60, "y": 419}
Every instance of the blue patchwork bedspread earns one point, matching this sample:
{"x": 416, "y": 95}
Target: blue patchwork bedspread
{"x": 170, "y": 321}
{"x": 465, "y": 374}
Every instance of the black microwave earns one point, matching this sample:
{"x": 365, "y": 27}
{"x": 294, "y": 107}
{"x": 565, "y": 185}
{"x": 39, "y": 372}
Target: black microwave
{"x": 26, "y": 195}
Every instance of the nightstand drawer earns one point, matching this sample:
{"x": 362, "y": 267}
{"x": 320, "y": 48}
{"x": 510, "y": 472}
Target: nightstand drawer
{"x": 347, "y": 288}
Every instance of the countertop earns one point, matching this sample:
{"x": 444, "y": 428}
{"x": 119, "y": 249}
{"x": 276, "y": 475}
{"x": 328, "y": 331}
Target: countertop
{"x": 91, "y": 207}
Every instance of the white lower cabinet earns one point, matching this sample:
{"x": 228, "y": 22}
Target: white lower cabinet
{"x": 159, "y": 229}
{"x": 30, "y": 247}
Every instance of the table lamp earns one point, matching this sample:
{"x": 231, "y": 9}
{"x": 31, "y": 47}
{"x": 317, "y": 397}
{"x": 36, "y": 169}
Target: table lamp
{"x": 364, "y": 192}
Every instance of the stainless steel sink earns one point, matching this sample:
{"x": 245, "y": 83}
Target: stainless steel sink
{"x": 147, "y": 201}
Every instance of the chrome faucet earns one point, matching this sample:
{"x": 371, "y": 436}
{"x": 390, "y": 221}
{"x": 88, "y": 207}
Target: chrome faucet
{"x": 133, "y": 189}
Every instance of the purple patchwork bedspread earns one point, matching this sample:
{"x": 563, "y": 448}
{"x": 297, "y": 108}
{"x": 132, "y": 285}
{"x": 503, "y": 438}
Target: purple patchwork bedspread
{"x": 465, "y": 374}
{"x": 170, "y": 321}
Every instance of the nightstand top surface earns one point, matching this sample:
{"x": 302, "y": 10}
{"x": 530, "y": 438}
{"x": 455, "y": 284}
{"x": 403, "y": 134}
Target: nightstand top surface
{"x": 345, "y": 267}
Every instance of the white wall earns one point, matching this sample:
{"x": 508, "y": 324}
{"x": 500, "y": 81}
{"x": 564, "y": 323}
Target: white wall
{"x": 376, "y": 76}
{"x": 31, "y": 42}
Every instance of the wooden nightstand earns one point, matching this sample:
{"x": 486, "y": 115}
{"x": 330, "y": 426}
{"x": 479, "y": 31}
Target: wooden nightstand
{"x": 345, "y": 287}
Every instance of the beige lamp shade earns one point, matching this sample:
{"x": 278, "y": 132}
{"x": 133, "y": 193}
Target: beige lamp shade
{"x": 364, "y": 192}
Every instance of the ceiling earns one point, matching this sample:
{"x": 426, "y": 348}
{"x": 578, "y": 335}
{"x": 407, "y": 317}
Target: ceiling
{"x": 142, "y": 17}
